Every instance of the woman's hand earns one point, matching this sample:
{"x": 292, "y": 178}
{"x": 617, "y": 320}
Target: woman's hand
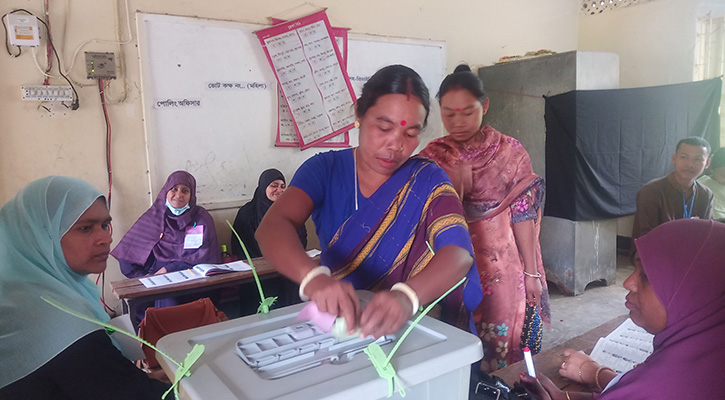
{"x": 386, "y": 313}
{"x": 578, "y": 367}
{"x": 160, "y": 271}
{"x": 533, "y": 290}
{"x": 335, "y": 297}
{"x": 542, "y": 388}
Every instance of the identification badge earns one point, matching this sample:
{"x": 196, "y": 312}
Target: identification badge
{"x": 194, "y": 237}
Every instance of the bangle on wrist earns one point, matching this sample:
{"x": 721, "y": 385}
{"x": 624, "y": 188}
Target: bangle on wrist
{"x": 596, "y": 376}
{"x": 409, "y": 293}
{"x": 567, "y": 395}
{"x": 312, "y": 274}
{"x": 536, "y": 275}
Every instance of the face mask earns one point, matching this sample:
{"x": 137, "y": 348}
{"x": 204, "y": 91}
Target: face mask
{"x": 176, "y": 211}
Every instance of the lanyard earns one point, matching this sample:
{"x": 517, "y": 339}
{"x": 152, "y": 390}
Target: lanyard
{"x": 687, "y": 214}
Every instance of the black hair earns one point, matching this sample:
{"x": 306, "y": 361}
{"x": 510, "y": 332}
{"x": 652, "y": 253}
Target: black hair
{"x": 718, "y": 159}
{"x": 694, "y": 141}
{"x": 462, "y": 78}
{"x": 393, "y": 79}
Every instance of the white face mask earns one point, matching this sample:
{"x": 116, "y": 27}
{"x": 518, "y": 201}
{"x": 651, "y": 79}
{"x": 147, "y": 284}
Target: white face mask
{"x": 177, "y": 211}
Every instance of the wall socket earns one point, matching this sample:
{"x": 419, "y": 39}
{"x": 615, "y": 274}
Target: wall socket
{"x": 100, "y": 65}
{"x": 47, "y": 93}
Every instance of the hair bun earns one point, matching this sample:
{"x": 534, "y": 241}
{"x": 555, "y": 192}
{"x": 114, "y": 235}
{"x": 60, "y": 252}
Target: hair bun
{"x": 462, "y": 68}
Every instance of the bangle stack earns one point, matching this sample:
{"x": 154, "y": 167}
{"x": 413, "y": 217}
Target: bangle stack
{"x": 536, "y": 275}
{"x": 409, "y": 293}
{"x": 596, "y": 376}
{"x": 314, "y": 272}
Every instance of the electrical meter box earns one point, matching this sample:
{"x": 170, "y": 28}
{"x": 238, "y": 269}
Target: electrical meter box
{"x": 100, "y": 65}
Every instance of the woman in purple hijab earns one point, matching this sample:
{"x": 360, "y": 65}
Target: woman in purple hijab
{"x": 174, "y": 234}
{"x": 677, "y": 293}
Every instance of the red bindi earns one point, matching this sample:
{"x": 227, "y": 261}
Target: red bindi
{"x": 402, "y": 123}
{"x": 458, "y": 109}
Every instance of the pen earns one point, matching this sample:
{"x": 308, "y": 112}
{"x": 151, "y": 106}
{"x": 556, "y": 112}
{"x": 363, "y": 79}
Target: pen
{"x": 529, "y": 362}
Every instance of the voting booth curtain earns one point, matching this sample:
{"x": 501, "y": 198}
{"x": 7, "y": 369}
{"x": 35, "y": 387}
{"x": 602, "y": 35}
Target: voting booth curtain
{"x": 602, "y": 146}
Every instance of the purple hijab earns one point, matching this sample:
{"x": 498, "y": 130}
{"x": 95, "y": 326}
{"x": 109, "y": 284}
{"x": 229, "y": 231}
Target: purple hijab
{"x": 683, "y": 260}
{"x": 161, "y": 232}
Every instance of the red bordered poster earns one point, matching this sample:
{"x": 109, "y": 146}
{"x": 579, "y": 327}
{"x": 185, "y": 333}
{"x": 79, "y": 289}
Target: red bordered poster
{"x": 309, "y": 69}
{"x": 286, "y": 133}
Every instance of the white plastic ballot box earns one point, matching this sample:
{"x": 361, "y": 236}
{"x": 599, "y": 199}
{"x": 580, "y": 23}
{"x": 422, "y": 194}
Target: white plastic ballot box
{"x": 274, "y": 356}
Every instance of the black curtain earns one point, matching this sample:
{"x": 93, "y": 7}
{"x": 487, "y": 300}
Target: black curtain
{"x": 602, "y": 146}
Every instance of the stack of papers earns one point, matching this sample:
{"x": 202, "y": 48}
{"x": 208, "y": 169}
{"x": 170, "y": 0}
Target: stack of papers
{"x": 625, "y": 347}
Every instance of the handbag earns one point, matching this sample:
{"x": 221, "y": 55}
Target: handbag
{"x": 488, "y": 387}
{"x": 531, "y": 333}
{"x": 160, "y": 322}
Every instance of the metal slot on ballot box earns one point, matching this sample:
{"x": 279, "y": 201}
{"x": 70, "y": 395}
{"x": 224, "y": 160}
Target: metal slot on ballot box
{"x": 288, "y": 350}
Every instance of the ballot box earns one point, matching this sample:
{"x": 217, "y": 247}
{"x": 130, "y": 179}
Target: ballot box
{"x": 274, "y": 356}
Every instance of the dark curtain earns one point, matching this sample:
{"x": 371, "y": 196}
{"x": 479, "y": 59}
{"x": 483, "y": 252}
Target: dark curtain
{"x": 602, "y": 146}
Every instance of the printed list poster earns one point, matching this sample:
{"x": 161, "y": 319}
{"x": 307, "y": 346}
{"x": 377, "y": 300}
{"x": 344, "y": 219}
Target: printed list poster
{"x": 310, "y": 72}
{"x": 286, "y": 133}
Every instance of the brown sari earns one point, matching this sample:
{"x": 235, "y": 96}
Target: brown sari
{"x": 498, "y": 188}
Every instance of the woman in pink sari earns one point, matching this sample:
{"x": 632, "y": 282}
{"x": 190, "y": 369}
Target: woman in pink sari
{"x": 502, "y": 200}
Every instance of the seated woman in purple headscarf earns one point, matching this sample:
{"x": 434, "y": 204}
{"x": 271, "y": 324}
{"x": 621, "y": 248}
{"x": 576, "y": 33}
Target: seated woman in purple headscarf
{"x": 677, "y": 293}
{"x": 173, "y": 235}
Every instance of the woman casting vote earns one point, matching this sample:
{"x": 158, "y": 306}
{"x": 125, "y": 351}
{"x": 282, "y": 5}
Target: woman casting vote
{"x": 677, "y": 293}
{"x": 376, "y": 211}
{"x": 53, "y": 234}
{"x": 173, "y": 235}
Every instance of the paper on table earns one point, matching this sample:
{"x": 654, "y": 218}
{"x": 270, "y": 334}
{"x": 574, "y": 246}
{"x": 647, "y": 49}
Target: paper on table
{"x": 625, "y": 347}
{"x": 197, "y": 272}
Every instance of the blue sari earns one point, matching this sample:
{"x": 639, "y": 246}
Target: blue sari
{"x": 386, "y": 240}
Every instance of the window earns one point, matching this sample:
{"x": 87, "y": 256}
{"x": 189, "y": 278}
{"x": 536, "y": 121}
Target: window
{"x": 710, "y": 55}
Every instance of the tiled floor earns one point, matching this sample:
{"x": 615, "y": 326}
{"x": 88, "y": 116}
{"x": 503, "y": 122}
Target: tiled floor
{"x": 573, "y": 315}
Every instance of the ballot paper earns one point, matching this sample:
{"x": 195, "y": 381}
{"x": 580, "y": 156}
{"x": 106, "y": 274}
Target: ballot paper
{"x": 196, "y": 272}
{"x": 624, "y": 348}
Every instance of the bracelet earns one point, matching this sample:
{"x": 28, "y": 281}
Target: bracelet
{"x": 314, "y": 272}
{"x": 596, "y": 376}
{"x": 536, "y": 275}
{"x": 408, "y": 292}
{"x": 567, "y": 395}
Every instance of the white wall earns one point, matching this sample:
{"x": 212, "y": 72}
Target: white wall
{"x": 655, "y": 40}
{"x": 36, "y": 143}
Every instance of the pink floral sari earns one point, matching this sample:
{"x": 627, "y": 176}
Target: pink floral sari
{"x": 498, "y": 188}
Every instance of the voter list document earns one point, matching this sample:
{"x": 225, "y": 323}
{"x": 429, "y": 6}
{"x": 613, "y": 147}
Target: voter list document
{"x": 624, "y": 348}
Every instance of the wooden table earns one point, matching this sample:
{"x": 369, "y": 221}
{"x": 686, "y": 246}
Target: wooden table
{"x": 132, "y": 291}
{"x": 549, "y": 361}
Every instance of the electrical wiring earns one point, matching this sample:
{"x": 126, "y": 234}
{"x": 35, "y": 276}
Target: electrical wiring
{"x": 108, "y": 140}
{"x": 49, "y": 55}
{"x": 110, "y": 176}
{"x": 127, "y": 41}
{"x": 37, "y": 64}
{"x": 100, "y": 276}
{"x": 76, "y": 101}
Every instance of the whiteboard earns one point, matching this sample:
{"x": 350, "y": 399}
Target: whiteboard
{"x": 210, "y": 101}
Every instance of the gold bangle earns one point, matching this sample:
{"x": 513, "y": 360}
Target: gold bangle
{"x": 596, "y": 377}
{"x": 567, "y": 395}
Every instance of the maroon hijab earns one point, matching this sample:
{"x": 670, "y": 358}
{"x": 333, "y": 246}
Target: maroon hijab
{"x": 161, "y": 232}
{"x": 684, "y": 262}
